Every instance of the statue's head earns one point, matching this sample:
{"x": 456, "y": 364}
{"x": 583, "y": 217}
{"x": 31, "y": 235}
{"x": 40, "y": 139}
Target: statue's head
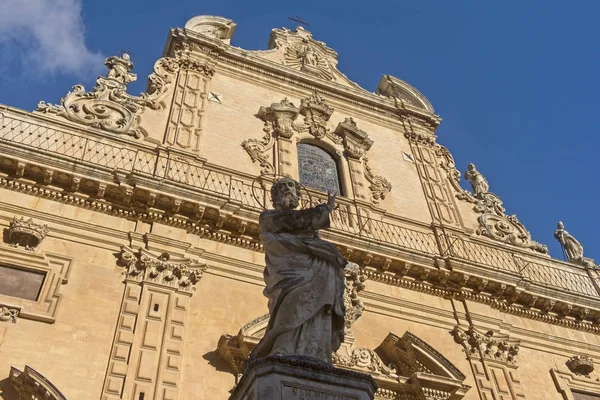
{"x": 471, "y": 167}
{"x": 560, "y": 225}
{"x": 285, "y": 194}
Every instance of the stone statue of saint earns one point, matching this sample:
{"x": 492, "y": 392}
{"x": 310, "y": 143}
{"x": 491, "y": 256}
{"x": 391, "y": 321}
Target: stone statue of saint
{"x": 573, "y": 249}
{"x": 309, "y": 58}
{"x": 304, "y": 276}
{"x": 478, "y": 182}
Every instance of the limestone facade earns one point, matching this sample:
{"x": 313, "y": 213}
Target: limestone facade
{"x": 130, "y": 266}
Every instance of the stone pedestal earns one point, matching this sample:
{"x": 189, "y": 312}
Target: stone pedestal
{"x": 297, "y": 378}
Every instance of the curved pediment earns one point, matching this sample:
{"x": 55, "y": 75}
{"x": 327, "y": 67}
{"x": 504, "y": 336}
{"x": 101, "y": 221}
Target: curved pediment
{"x": 390, "y": 86}
{"x": 400, "y": 365}
{"x": 30, "y": 384}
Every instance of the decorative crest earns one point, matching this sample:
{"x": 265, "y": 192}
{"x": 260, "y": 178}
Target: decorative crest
{"x": 26, "y": 233}
{"x": 316, "y": 113}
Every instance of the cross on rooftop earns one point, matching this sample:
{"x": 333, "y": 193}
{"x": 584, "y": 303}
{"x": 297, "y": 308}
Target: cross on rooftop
{"x": 298, "y": 20}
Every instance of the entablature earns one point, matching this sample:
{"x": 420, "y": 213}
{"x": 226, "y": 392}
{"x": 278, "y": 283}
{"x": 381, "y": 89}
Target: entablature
{"x": 168, "y": 186}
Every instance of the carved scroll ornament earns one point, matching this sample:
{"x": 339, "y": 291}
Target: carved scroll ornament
{"x": 109, "y": 107}
{"x": 379, "y": 186}
{"x": 493, "y": 221}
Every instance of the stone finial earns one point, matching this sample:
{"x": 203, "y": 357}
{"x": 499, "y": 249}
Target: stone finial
{"x": 580, "y": 365}
{"x": 571, "y": 246}
{"x": 26, "y": 233}
{"x": 478, "y": 182}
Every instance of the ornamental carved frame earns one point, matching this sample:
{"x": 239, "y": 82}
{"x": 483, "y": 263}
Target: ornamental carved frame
{"x": 286, "y": 126}
{"x": 567, "y": 381}
{"x": 56, "y": 269}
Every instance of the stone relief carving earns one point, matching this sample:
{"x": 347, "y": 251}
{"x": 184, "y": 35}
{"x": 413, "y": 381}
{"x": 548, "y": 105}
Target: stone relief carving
{"x": 316, "y": 113}
{"x": 488, "y": 345}
{"x": 580, "y": 365}
{"x": 30, "y": 384}
{"x": 493, "y": 221}
{"x": 109, "y": 107}
{"x": 354, "y": 283}
{"x": 302, "y": 52}
{"x": 181, "y": 273}
{"x": 364, "y": 359}
{"x": 573, "y": 250}
{"x": 282, "y": 120}
{"x": 26, "y": 233}
{"x": 379, "y": 186}
{"x": 8, "y": 314}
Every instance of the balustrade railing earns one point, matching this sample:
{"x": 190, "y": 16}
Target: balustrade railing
{"x": 347, "y": 218}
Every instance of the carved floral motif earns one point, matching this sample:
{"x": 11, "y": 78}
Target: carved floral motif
{"x": 141, "y": 266}
{"x": 109, "y": 107}
{"x": 26, "y": 233}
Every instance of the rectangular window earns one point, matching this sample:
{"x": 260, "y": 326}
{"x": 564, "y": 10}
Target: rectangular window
{"x": 22, "y": 283}
{"x": 584, "y": 396}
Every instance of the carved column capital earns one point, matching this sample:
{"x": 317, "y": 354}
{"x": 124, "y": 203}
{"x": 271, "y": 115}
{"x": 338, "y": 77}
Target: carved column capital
{"x": 182, "y": 274}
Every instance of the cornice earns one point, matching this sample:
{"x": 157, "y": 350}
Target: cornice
{"x": 245, "y": 59}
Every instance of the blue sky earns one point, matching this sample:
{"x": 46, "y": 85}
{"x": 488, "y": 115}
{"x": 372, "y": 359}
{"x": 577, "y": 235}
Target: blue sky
{"x": 516, "y": 82}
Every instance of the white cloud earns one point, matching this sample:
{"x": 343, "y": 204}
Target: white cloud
{"x": 46, "y": 37}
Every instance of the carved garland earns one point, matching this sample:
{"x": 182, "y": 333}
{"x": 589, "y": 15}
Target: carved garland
{"x": 109, "y": 107}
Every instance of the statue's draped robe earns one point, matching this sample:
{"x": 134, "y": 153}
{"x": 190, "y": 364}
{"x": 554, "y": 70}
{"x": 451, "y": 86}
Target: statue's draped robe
{"x": 305, "y": 285}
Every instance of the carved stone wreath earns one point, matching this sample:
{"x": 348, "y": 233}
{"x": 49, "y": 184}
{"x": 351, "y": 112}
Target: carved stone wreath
{"x": 282, "y": 120}
{"x": 109, "y": 107}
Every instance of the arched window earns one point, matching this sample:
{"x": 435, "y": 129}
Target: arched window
{"x": 318, "y": 169}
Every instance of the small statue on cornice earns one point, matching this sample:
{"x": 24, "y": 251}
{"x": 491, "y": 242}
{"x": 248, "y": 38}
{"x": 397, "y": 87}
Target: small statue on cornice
{"x": 119, "y": 68}
{"x": 572, "y": 248}
{"x": 478, "y": 182}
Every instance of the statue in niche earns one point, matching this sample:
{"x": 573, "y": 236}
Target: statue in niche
{"x": 478, "y": 182}
{"x": 304, "y": 276}
{"x": 573, "y": 249}
{"x": 310, "y": 57}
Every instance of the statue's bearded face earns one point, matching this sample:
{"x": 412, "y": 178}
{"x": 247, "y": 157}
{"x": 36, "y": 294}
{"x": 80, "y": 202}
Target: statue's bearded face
{"x": 286, "y": 195}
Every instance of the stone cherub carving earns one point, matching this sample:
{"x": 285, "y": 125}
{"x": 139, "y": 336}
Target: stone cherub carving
{"x": 478, "y": 182}
{"x": 573, "y": 249}
{"x": 304, "y": 276}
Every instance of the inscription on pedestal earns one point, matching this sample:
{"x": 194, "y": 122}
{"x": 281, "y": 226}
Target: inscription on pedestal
{"x": 297, "y": 392}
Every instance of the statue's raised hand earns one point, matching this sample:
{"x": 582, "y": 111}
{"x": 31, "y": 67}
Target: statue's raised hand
{"x": 330, "y": 200}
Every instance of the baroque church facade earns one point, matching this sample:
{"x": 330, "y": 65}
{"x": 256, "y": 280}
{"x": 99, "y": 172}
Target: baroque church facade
{"x": 131, "y": 266}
